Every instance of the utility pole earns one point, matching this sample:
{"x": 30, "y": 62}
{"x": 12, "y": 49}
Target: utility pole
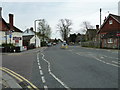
{"x": 100, "y": 28}
{"x": 36, "y": 30}
{"x": 100, "y": 16}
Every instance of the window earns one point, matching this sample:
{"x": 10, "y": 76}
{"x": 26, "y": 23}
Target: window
{"x": 110, "y": 40}
{"x": 110, "y": 22}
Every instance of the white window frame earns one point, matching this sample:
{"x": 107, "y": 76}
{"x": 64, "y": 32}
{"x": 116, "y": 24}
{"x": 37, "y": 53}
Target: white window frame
{"x": 110, "y": 22}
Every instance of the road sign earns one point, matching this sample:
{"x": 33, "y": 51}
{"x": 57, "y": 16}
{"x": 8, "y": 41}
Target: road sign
{"x": 118, "y": 34}
{"x": 10, "y": 36}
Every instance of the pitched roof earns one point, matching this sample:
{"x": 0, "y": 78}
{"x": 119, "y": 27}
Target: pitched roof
{"x": 15, "y": 28}
{"x": 115, "y": 17}
{"x": 91, "y": 31}
{"x": 8, "y": 26}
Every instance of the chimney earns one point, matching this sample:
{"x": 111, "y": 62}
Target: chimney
{"x": 0, "y": 12}
{"x": 97, "y": 27}
{"x": 11, "y": 21}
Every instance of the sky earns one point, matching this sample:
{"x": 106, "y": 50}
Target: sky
{"x": 25, "y": 13}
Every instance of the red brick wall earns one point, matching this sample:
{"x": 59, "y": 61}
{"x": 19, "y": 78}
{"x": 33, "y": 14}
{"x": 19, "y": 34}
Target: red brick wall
{"x": 3, "y": 26}
{"x": 110, "y": 27}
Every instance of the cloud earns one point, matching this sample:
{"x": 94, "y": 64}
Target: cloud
{"x": 77, "y": 10}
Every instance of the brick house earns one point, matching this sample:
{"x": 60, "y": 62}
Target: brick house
{"x": 8, "y": 32}
{"x": 109, "y": 30}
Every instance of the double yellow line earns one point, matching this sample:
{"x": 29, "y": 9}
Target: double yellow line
{"x": 19, "y": 77}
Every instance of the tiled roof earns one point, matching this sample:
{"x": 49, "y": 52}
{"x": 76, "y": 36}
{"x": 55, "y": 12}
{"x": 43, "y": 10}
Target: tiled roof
{"x": 15, "y": 28}
{"x": 8, "y": 26}
{"x": 117, "y": 18}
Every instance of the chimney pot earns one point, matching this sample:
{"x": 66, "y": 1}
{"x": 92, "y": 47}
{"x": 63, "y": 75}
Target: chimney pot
{"x": 97, "y": 27}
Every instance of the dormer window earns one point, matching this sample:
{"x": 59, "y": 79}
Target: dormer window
{"x": 110, "y": 22}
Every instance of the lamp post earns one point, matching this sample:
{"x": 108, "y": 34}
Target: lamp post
{"x": 35, "y": 29}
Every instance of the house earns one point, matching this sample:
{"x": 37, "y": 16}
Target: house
{"x": 29, "y": 38}
{"x": 8, "y": 32}
{"x": 90, "y": 34}
{"x": 109, "y": 32}
{"x": 28, "y": 32}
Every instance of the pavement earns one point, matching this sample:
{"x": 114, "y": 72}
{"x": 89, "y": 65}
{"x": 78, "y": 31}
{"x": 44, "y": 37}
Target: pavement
{"x": 12, "y": 80}
{"x": 23, "y": 52}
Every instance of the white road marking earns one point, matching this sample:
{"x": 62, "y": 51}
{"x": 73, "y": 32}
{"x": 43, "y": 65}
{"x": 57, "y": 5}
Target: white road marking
{"x": 38, "y": 64}
{"x": 45, "y": 87}
{"x": 43, "y": 79}
{"x": 102, "y": 57}
{"x": 41, "y": 73}
{"x": 110, "y": 57}
{"x": 105, "y": 62}
{"x": 50, "y": 72}
{"x": 38, "y": 60}
{"x": 39, "y": 67}
{"x": 37, "y": 56}
{"x": 115, "y": 62}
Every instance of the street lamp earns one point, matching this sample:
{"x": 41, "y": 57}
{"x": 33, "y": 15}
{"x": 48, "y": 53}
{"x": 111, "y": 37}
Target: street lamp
{"x": 35, "y": 29}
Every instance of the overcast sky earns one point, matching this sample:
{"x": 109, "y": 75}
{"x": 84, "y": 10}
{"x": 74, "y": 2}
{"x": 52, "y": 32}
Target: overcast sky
{"x": 52, "y": 10}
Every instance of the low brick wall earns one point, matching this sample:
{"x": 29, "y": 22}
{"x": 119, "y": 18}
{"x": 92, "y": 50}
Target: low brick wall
{"x": 90, "y": 44}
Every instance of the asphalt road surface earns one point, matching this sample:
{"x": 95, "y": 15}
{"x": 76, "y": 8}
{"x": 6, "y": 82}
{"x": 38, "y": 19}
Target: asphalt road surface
{"x": 75, "y": 67}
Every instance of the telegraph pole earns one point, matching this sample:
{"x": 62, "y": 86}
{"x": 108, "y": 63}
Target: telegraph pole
{"x": 100, "y": 28}
{"x": 100, "y": 16}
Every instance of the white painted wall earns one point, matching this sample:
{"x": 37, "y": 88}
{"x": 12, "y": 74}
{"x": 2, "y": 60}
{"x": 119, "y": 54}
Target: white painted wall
{"x": 38, "y": 41}
{"x": 14, "y": 34}
{"x": 2, "y": 37}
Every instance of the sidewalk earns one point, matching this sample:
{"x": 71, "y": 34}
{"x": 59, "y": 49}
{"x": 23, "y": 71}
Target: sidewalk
{"x": 7, "y": 81}
{"x": 12, "y": 80}
{"x": 24, "y": 52}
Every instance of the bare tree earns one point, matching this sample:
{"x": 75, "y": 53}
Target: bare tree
{"x": 86, "y": 25}
{"x": 64, "y": 27}
{"x": 44, "y": 29}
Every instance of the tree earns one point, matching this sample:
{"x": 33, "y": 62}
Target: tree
{"x": 64, "y": 27}
{"x": 44, "y": 29}
{"x": 86, "y": 25}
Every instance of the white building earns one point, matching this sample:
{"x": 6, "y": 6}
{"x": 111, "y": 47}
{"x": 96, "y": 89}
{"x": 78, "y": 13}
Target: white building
{"x": 8, "y": 32}
{"x": 29, "y": 38}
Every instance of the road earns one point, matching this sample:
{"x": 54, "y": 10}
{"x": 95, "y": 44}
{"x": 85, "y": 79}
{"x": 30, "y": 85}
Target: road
{"x": 75, "y": 67}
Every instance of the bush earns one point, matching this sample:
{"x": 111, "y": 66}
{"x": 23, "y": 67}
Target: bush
{"x": 10, "y": 48}
{"x": 43, "y": 44}
{"x": 31, "y": 46}
{"x": 7, "y": 45}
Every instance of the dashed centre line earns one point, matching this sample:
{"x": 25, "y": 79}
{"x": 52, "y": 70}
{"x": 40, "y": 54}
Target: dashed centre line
{"x": 43, "y": 79}
{"x": 41, "y": 73}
